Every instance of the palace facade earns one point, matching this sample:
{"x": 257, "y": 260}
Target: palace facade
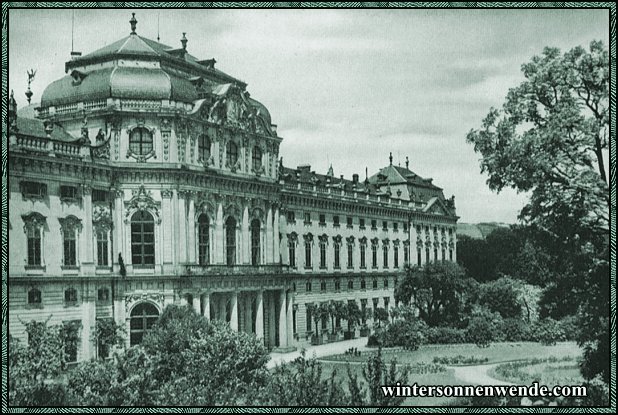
{"x": 149, "y": 177}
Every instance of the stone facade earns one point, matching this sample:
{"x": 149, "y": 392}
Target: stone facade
{"x": 150, "y": 178}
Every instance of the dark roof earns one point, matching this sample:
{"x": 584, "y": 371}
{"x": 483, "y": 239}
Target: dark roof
{"x": 35, "y": 128}
{"x": 400, "y": 175}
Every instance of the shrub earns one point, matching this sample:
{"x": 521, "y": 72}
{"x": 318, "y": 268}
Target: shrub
{"x": 373, "y": 341}
{"x": 444, "y": 335}
{"x": 405, "y": 333}
{"x": 548, "y": 331}
{"x": 569, "y": 328}
{"x": 484, "y": 327}
{"x": 516, "y": 330}
{"x": 460, "y": 360}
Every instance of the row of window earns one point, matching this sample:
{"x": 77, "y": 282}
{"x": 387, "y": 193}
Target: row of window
{"x": 324, "y": 322}
{"x": 291, "y": 218}
{"x": 35, "y": 297}
{"x": 67, "y": 192}
{"x": 337, "y": 283}
{"x": 350, "y": 254}
{"x": 141, "y": 143}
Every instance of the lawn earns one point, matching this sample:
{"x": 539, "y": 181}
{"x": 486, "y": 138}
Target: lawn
{"x": 495, "y": 353}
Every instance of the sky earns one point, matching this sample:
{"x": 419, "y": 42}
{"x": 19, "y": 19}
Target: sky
{"x": 345, "y": 87}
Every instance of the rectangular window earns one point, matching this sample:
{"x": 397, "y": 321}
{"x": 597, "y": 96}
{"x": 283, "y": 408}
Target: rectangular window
{"x": 307, "y": 254}
{"x": 363, "y": 249}
{"x": 34, "y": 246}
{"x": 406, "y": 255}
{"x": 374, "y": 224}
{"x": 435, "y": 254}
{"x": 363, "y": 309}
{"x": 291, "y": 217}
{"x": 363, "y": 284}
{"x": 322, "y": 285}
{"x": 102, "y": 247}
{"x": 384, "y": 225}
{"x": 337, "y": 285}
{"x": 99, "y": 196}
{"x": 308, "y": 286}
{"x": 70, "y": 255}
{"x": 361, "y": 223}
{"x": 68, "y": 193}
{"x": 349, "y": 222}
{"x": 427, "y": 258}
{"x": 450, "y": 255}
{"x": 385, "y": 255}
{"x": 292, "y": 253}
{"x": 307, "y": 218}
{"x": 322, "y": 254}
{"x": 387, "y": 300}
{"x": 419, "y": 257}
{"x": 33, "y": 189}
{"x": 350, "y": 255}
{"x": 385, "y": 282}
{"x": 443, "y": 255}
{"x": 336, "y": 221}
{"x": 395, "y": 226}
{"x": 103, "y": 295}
{"x": 396, "y": 256}
{"x": 405, "y": 227}
{"x": 322, "y": 219}
{"x": 375, "y": 284}
{"x": 350, "y": 284}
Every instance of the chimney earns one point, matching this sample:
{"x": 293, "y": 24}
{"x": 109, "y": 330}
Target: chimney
{"x": 183, "y": 41}
{"x": 355, "y": 178}
{"x": 304, "y": 168}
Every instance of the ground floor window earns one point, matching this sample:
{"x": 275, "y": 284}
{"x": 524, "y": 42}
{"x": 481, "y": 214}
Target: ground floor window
{"x": 143, "y": 318}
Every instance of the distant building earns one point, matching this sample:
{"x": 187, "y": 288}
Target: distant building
{"x": 149, "y": 177}
{"x": 479, "y": 230}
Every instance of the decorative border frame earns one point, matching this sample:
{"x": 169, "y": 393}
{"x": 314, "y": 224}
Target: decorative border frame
{"x": 612, "y": 49}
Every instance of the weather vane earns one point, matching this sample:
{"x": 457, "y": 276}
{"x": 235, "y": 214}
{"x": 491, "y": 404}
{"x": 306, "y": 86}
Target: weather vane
{"x": 29, "y": 93}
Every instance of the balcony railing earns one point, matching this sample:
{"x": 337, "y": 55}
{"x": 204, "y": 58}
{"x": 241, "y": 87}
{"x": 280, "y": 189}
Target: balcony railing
{"x": 247, "y": 270}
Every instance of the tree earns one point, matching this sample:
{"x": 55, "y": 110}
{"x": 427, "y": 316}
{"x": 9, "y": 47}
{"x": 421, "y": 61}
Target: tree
{"x": 501, "y": 296}
{"x": 35, "y": 368}
{"x": 439, "y": 292}
{"x": 107, "y": 334}
{"x": 377, "y": 375}
{"x": 380, "y": 315}
{"x": 352, "y": 315}
{"x": 551, "y": 139}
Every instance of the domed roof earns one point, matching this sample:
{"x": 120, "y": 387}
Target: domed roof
{"x": 262, "y": 110}
{"x": 119, "y": 82}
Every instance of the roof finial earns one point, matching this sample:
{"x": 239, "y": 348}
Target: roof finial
{"x": 133, "y": 22}
{"x": 184, "y": 41}
{"x": 158, "y": 28}
{"x": 407, "y": 163}
{"x": 29, "y": 93}
{"x": 390, "y": 158}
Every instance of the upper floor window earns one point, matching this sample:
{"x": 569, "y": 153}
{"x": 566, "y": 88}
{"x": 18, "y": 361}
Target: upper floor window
{"x": 361, "y": 223}
{"x": 140, "y": 141}
{"x": 336, "y": 220}
{"x": 203, "y": 239}
{"x": 230, "y": 241}
{"x": 337, "y": 285}
{"x": 308, "y": 286}
{"x": 99, "y": 196}
{"x": 33, "y": 190}
{"x": 385, "y": 254}
{"x": 350, "y": 247}
{"x": 103, "y": 295}
{"x": 102, "y": 247}
{"x": 292, "y": 250}
{"x": 68, "y": 193}
{"x": 307, "y": 218}
{"x": 69, "y": 227}
{"x": 231, "y": 151}
{"x": 396, "y": 256}
{"x": 374, "y": 224}
{"x": 34, "y": 245}
{"x": 405, "y": 227}
{"x": 384, "y": 225}
{"x": 337, "y": 247}
{"x": 395, "y": 226}
{"x": 363, "y": 254}
{"x": 322, "y": 252}
{"x": 350, "y": 284}
{"x": 142, "y": 238}
{"x": 385, "y": 282}
{"x": 203, "y": 144}
{"x": 349, "y": 222}
{"x": 291, "y": 217}
{"x": 257, "y": 158}
{"x": 322, "y": 219}
{"x": 374, "y": 255}
{"x": 70, "y": 296}
{"x": 322, "y": 285}
{"x": 255, "y": 242}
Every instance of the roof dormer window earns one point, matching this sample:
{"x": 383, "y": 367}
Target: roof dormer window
{"x": 78, "y": 76}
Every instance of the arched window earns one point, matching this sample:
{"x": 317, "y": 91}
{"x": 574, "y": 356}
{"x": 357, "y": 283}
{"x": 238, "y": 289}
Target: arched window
{"x": 142, "y": 238}
{"x": 231, "y": 151}
{"x": 257, "y": 158}
{"x": 203, "y": 238}
{"x": 143, "y": 317}
{"x": 140, "y": 141}
{"x": 204, "y": 147}
{"x": 230, "y": 241}
{"x": 255, "y": 242}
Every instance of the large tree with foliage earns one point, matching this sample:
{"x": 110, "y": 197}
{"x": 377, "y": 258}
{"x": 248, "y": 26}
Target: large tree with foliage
{"x": 439, "y": 292}
{"x": 551, "y": 139}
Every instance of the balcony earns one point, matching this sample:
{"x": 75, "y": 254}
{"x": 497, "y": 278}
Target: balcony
{"x": 245, "y": 270}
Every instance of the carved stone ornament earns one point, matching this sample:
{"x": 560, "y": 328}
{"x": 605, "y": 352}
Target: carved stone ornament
{"x": 375, "y": 241}
{"x": 323, "y": 238}
{"x": 131, "y": 300}
{"x": 102, "y": 217}
{"x": 33, "y": 220}
{"x": 142, "y": 200}
{"x": 167, "y": 193}
{"x": 396, "y": 242}
{"x": 337, "y": 239}
{"x": 363, "y": 240}
{"x": 292, "y": 237}
{"x": 308, "y": 237}
{"x": 350, "y": 239}
{"x": 70, "y": 224}
{"x": 385, "y": 242}
{"x": 406, "y": 243}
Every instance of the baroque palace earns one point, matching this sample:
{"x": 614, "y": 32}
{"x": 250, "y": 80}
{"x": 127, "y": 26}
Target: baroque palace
{"x": 148, "y": 177}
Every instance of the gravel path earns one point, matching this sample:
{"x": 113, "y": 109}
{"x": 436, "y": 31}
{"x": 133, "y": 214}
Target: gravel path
{"x": 478, "y": 375}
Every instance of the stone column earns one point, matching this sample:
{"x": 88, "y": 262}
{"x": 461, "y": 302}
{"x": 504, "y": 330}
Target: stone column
{"x": 246, "y": 238}
{"x": 259, "y": 315}
{"x": 219, "y": 237}
{"x": 88, "y": 321}
{"x": 168, "y": 236}
{"x": 290, "y": 317}
{"x": 87, "y": 245}
{"x": 413, "y": 246}
{"x": 182, "y": 228}
{"x": 234, "y": 314}
{"x": 283, "y": 319}
{"x": 206, "y": 305}
{"x": 191, "y": 230}
{"x": 197, "y": 303}
{"x": 269, "y": 236}
{"x": 276, "y": 241}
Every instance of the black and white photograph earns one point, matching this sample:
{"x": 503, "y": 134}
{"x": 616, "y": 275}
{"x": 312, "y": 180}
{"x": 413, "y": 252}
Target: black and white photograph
{"x": 308, "y": 207}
